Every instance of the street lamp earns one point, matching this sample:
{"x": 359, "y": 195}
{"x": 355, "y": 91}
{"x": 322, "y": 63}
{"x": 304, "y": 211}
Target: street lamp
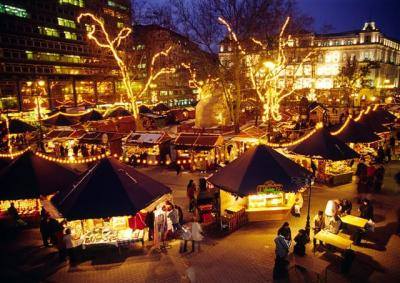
{"x": 310, "y": 182}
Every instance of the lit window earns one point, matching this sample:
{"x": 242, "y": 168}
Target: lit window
{"x": 13, "y": 11}
{"x": 48, "y": 31}
{"x": 120, "y": 25}
{"x": 113, "y": 4}
{"x": 79, "y": 3}
{"x": 29, "y": 55}
{"x": 70, "y": 35}
{"x": 66, "y": 23}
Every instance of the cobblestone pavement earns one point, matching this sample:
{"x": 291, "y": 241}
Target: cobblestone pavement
{"x": 246, "y": 255}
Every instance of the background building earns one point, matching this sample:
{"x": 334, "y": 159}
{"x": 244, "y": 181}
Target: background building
{"x": 172, "y": 89}
{"x": 41, "y": 40}
{"x": 330, "y": 54}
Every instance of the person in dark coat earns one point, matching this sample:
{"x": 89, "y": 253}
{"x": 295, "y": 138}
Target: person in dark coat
{"x": 378, "y": 178}
{"x": 43, "y": 227}
{"x": 301, "y": 240}
{"x": 150, "y": 224}
{"x": 285, "y": 230}
{"x": 54, "y": 227}
{"x": 366, "y": 210}
{"x": 381, "y": 155}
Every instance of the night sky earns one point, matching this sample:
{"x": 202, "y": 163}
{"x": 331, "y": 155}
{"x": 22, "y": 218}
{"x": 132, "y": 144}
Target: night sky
{"x": 346, "y": 15}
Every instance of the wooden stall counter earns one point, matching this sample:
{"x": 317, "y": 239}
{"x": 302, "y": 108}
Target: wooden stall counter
{"x": 279, "y": 212}
{"x": 339, "y": 179}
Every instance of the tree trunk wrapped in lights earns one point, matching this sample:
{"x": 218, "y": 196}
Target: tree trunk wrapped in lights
{"x": 112, "y": 45}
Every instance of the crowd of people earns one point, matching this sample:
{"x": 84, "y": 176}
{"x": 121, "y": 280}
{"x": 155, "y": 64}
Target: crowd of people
{"x": 78, "y": 150}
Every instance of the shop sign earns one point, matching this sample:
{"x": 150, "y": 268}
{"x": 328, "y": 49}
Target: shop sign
{"x": 269, "y": 187}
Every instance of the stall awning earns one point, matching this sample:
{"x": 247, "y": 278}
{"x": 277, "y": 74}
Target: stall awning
{"x": 65, "y": 134}
{"x": 353, "y": 132}
{"x": 250, "y": 134}
{"x": 382, "y": 116}
{"x": 61, "y": 119}
{"x": 147, "y": 138}
{"x": 100, "y": 137}
{"x": 109, "y": 189}
{"x": 30, "y": 176}
{"x": 321, "y": 144}
{"x": 117, "y": 112}
{"x": 17, "y": 126}
{"x": 257, "y": 166}
{"x": 198, "y": 141}
{"x": 372, "y": 123}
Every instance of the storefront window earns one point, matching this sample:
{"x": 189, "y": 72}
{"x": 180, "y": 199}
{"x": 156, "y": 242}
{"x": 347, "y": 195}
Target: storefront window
{"x": 32, "y": 94}
{"x": 61, "y": 93}
{"x": 8, "y": 96}
{"x": 85, "y": 92}
{"x": 105, "y": 93}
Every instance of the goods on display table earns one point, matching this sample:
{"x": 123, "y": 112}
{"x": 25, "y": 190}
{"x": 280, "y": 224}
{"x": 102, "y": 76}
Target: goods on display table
{"x": 147, "y": 147}
{"x": 112, "y": 231}
{"x": 338, "y": 173}
{"x": 197, "y": 151}
{"x": 28, "y": 209}
{"x": 365, "y": 149}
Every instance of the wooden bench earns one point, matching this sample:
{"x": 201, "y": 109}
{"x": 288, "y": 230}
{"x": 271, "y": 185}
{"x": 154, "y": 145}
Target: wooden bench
{"x": 313, "y": 264}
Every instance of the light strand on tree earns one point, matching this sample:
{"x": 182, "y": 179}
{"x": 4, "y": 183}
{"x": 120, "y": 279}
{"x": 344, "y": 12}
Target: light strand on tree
{"x": 112, "y": 45}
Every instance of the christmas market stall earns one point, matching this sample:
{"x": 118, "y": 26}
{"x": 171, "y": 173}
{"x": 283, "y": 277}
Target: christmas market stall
{"x": 109, "y": 204}
{"x": 247, "y": 138}
{"x": 66, "y": 138}
{"x": 261, "y": 183}
{"x": 28, "y": 178}
{"x": 333, "y": 157}
{"x": 60, "y": 119}
{"x": 92, "y": 115}
{"x": 147, "y": 148}
{"x": 103, "y": 142}
{"x": 362, "y": 139}
{"x": 198, "y": 151}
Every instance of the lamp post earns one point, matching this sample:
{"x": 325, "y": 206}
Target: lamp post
{"x": 310, "y": 181}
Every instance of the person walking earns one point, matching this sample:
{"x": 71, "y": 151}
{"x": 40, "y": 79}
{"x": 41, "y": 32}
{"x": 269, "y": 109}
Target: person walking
{"x": 69, "y": 246}
{"x": 197, "y": 234}
{"x": 191, "y": 194}
{"x": 301, "y": 240}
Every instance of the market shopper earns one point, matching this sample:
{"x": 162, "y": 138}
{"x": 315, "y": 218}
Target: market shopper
{"x": 334, "y": 225}
{"x": 197, "y": 234}
{"x": 366, "y": 209}
{"x": 13, "y": 213}
{"x": 44, "y": 228}
{"x": 378, "y": 178}
{"x": 282, "y": 246}
{"x": 173, "y": 215}
{"x": 301, "y": 240}
{"x": 285, "y": 230}
{"x": 319, "y": 224}
{"x": 69, "y": 246}
{"x": 191, "y": 194}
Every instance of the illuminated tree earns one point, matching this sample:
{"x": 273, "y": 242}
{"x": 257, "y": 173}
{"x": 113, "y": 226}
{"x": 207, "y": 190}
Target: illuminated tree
{"x": 103, "y": 39}
{"x": 353, "y": 76}
{"x": 266, "y": 72}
